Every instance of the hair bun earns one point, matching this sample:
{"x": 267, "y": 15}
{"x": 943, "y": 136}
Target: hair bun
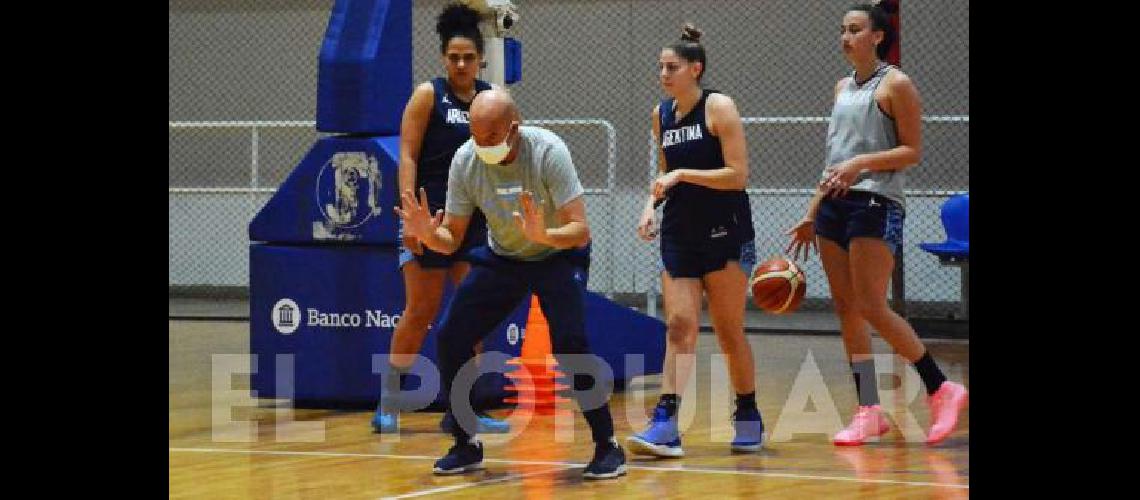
{"x": 456, "y": 17}
{"x": 690, "y": 33}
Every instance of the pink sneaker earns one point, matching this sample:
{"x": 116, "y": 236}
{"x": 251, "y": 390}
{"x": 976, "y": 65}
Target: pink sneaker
{"x": 867, "y": 422}
{"x": 945, "y": 405}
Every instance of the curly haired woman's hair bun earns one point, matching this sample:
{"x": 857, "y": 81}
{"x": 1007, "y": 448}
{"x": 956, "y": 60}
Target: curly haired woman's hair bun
{"x": 458, "y": 20}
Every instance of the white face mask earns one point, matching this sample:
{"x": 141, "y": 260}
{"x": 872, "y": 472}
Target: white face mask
{"x": 492, "y": 155}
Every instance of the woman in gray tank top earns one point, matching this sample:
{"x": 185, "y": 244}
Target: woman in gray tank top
{"x": 856, "y": 217}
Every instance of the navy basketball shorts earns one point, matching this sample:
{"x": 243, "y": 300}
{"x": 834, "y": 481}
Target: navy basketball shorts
{"x": 695, "y": 261}
{"x": 860, "y": 214}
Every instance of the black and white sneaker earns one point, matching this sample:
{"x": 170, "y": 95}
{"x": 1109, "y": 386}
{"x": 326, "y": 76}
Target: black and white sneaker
{"x": 608, "y": 462}
{"x": 463, "y": 457}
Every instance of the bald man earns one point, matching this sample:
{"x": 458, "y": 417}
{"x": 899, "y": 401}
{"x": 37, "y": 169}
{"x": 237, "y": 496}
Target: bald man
{"x": 523, "y": 180}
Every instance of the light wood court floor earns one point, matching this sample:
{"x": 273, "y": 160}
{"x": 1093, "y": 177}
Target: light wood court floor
{"x": 804, "y": 390}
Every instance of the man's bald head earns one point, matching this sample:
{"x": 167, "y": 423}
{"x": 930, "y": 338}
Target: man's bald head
{"x": 493, "y": 107}
{"x": 490, "y": 115}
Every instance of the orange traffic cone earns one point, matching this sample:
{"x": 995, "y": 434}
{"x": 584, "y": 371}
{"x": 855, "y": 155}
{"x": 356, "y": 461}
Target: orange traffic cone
{"x": 535, "y": 381}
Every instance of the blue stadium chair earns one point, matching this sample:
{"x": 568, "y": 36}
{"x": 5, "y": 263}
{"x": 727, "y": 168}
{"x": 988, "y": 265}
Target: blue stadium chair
{"x": 955, "y": 251}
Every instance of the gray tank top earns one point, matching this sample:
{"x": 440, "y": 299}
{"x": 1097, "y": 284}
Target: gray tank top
{"x": 858, "y": 126}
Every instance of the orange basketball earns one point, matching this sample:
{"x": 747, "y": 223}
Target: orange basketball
{"x": 778, "y": 286}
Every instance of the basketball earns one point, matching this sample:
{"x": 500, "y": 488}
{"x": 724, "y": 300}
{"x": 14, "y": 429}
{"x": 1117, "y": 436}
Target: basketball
{"x": 778, "y": 286}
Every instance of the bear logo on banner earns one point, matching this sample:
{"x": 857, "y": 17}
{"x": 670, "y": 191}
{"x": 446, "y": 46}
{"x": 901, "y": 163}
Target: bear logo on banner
{"x": 348, "y": 195}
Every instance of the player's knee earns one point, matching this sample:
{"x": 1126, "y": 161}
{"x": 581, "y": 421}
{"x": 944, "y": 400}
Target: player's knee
{"x": 844, "y": 307}
{"x": 682, "y": 329}
{"x": 731, "y": 335}
{"x": 873, "y": 309}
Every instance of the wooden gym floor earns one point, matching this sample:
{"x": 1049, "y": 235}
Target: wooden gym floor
{"x": 269, "y": 451}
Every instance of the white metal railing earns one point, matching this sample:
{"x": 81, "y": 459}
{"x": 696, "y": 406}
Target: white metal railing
{"x": 256, "y": 126}
{"x": 254, "y": 140}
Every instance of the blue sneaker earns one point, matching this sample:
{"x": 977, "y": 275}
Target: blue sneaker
{"x": 487, "y": 424}
{"x": 749, "y": 428}
{"x": 463, "y": 457}
{"x": 608, "y": 461}
{"x": 661, "y": 439}
{"x": 384, "y": 422}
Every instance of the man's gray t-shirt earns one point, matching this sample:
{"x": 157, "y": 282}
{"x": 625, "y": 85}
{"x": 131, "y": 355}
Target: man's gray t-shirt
{"x": 542, "y": 166}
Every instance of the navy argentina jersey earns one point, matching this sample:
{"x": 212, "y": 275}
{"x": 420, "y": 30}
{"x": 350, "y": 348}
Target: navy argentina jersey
{"x": 708, "y": 226}
{"x": 446, "y": 131}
